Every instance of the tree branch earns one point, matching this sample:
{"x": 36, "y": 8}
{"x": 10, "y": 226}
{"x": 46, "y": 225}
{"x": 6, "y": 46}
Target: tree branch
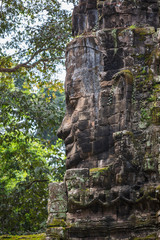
{"x": 26, "y": 64}
{"x": 1, "y": 6}
{"x": 35, "y": 181}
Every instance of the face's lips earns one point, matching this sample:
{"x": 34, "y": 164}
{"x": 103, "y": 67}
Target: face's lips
{"x": 73, "y": 159}
{"x": 69, "y": 143}
{"x": 69, "y": 148}
{"x": 65, "y": 132}
{"x": 69, "y": 139}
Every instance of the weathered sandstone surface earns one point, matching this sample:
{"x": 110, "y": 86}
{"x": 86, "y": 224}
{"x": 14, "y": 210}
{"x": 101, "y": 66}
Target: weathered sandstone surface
{"x": 111, "y": 189}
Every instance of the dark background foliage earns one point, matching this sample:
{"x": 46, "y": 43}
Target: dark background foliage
{"x": 33, "y": 36}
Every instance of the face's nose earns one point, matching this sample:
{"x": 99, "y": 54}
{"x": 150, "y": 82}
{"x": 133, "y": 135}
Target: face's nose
{"x": 65, "y": 128}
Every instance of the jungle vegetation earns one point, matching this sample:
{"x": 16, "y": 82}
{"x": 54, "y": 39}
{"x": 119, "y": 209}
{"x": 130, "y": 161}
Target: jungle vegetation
{"x": 33, "y": 36}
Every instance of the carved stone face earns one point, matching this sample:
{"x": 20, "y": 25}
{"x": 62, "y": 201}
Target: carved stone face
{"x": 80, "y": 129}
{"x": 112, "y": 126}
{"x": 99, "y": 87}
{"x": 93, "y": 111}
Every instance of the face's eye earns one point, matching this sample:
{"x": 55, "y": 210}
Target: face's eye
{"x": 71, "y": 104}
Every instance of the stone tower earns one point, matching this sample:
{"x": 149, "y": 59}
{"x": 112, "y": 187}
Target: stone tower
{"x": 111, "y": 130}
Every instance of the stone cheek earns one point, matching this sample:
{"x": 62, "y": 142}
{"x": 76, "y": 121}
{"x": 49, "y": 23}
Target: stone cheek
{"x": 115, "y": 102}
{"x": 113, "y": 60}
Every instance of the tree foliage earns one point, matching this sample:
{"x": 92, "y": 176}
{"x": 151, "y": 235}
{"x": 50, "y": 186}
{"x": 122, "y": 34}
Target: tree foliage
{"x": 33, "y": 35}
{"x": 30, "y": 157}
{"x": 29, "y": 112}
{"x": 36, "y": 31}
{"x": 24, "y": 178}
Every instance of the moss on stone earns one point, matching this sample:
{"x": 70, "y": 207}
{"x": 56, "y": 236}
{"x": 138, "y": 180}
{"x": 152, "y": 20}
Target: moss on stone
{"x": 151, "y": 237}
{"x": 25, "y": 237}
{"x": 154, "y": 56}
{"x": 158, "y": 187}
{"x": 127, "y": 74}
{"x": 144, "y": 31}
{"x": 132, "y": 27}
{"x": 58, "y": 223}
{"x": 147, "y": 194}
{"x": 155, "y": 113}
{"x": 100, "y": 170}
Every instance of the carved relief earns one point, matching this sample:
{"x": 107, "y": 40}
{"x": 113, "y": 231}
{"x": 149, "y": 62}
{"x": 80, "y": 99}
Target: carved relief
{"x": 111, "y": 127}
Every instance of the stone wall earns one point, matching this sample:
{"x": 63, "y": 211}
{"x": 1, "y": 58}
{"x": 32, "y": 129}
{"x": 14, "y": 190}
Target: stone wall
{"x": 111, "y": 129}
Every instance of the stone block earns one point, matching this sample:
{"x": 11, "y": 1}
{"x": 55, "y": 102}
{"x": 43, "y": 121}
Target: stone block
{"x": 73, "y": 160}
{"x": 58, "y": 206}
{"x": 107, "y": 76}
{"x": 85, "y": 140}
{"x": 75, "y": 181}
{"x": 102, "y": 132}
{"x": 92, "y": 17}
{"x": 113, "y": 60}
{"x": 83, "y": 136}
{"x": 77, "y": 173}
{"x": 84, "y": 116}
{"x": 56, "y": 233}
{"x": 107, "y": 38}
{"x": 57, "y": 192}
{"x": 86, "y": 147}
{"x": 100, "y": 145}
{"x": 125, "y": 37}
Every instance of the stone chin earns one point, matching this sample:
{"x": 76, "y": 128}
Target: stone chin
{"x": 73, "y": 160}
{"x": 74, "y": 151}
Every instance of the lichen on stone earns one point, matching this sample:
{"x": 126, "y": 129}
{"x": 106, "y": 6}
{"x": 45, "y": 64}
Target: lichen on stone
{"x": 25, "y": 237}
